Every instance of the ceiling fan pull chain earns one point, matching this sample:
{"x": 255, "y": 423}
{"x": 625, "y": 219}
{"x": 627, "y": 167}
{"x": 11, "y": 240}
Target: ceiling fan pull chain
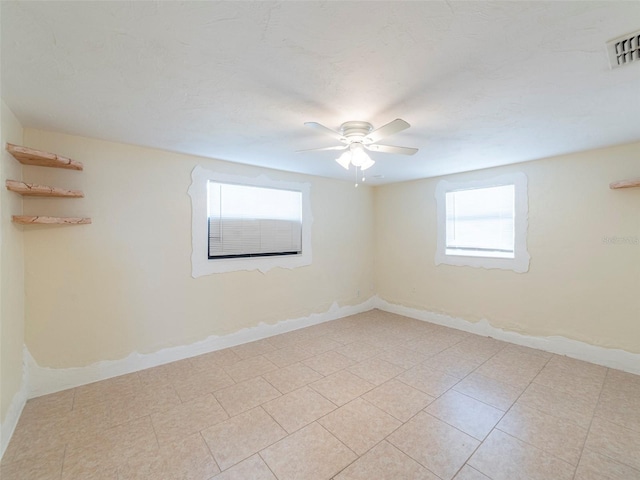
{"x": 356, "y": 176}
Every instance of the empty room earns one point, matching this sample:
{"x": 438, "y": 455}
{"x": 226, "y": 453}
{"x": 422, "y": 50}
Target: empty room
{"x": 310, "y": 240}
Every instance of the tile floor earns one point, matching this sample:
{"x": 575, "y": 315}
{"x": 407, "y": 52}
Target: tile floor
{"x": 372, "y": 396}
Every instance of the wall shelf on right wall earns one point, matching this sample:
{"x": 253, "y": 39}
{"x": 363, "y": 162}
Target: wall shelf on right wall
{"x": 33, "y": 220}
{"x": 625, "y": 184}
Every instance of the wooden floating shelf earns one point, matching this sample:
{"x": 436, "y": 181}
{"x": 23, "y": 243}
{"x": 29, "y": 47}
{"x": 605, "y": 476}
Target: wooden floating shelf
{"x": 31, "y": 156}
{"x": 625, "y": 184}
{"x": 30, "y": 220}
{"x": 33, "y": 190}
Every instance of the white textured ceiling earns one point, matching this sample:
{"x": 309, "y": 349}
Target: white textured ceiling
{"x": 482, "y": 83}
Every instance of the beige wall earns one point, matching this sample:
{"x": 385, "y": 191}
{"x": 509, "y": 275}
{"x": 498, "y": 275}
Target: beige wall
{"x": 577, "y": 286}
{"x": 123, "y": 284}
{"x": 12, "y": 270}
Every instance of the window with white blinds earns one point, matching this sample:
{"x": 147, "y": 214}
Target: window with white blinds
{"x": 481, "y": 222}
{"x": 251, "y": 221}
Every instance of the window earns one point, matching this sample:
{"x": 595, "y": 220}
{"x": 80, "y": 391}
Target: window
{"x": 480, "y": 222}
{"x": 483, "y": 223}
{"x": 245, "y": 223}
{"x": 248, "y": 221}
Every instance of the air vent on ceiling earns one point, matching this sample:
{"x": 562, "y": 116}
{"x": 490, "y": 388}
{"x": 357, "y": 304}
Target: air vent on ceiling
{"x": 624, "y": 50}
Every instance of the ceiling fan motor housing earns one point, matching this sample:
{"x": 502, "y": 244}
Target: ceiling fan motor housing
{"x": 355, "y": 131}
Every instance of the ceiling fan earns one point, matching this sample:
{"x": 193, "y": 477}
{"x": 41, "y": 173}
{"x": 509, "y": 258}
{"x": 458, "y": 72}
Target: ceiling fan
{"x": 360, "y": 136}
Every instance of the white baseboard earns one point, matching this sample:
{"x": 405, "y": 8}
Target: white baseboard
{"x": 8, "y": 426}
{"x": 44, "y": 380}
{"x": 608, "y": 357}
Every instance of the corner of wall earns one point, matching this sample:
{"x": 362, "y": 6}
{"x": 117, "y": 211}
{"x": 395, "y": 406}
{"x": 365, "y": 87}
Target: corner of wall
{"x": 19, "y": 400}
{"x": 13, "y": 378}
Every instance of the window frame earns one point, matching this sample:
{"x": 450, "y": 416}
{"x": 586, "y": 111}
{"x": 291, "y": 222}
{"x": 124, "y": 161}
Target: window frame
{"x": 520, "y": 262}
{"x": 202, "y": 265}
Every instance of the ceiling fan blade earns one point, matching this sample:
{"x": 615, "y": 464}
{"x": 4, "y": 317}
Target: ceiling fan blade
{"x": 338, "y": 147}
{"x": 326, "y": 130}
{"x": 391, "y": 149}
{"x": 384, "y": 131}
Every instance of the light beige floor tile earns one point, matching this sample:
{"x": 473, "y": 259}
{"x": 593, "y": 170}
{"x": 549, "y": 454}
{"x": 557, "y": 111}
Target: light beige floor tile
{"x": 188, "y": 418}
{"x": 432, "y": 382}
{"x": 250, "y": 368}
{"x": 292, "y": 377}
{"x": 298, "y": 408}
{"x": 310, "y": 454}
{"x": 585, "y": 383}
{"x": 477, "y": 349}
{"x": 54, "y": 404}
{"x": 200, "y": 384}
{"x": 512, "y": 349}
{"x": 129, "y": 440}
{"x": 187, "y": 459}
{"x": 503, "y": 457}
{"x": 559, "y": 404}
{"x": 318, "y": 345}
{"x": 514, "y": 369}
{"x": 428, "y": 345}
{"x": 376, "y": 370}
{"x": 84, "y": 424}
{"x": 488, "y": 390}
{"x": 287, "y": 356}
{"x": 385, "y": 462}
{"x": 290, "y": 339}
{"x": 167, "y": 373}
{"x": 620, "y": 405}
{"x": 253, "y": 349}
{"x": 594, "y": 466}
{"x": 436, "y": 445}
{"x": 560, "y": 438}
{"x": 38, "y": 436}
{"x": 359, "y": 425}
{"x": 614, "y": 441}
{"x": 253, "y": 468}
{"x": 359, "y": 351}
{"x": 468, "y": 473}
{"x": 148, "y": 400}
{"x": 622, "y": 382}
{"x": 348, "y": 335}
{"x": 110, "y": 450}
{"x": 402, "y": 357}
{"x": 578, "y": 367}
{"x": 89, "y": 463}
{"x": 106, "y": 390}
{"x": 42, "y": 467}
{"x": 242, "y": 436}
{"x": 465, "y": 413}
{"x": 329, "y": 362}
{"x": 398, "y": 399}
{"x": 246, "y": 395}
{"x": 216, "y": 359}
{"x": 190, "y": 459}
{"x": 451, "y": 364}
{"x": 341, "y": 387}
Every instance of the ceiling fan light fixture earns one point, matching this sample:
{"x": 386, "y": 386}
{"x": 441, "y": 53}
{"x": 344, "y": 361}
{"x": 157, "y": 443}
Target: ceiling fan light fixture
{"x": 358, "y": 155}
{"x": 367, "y": 164}
{"x": 344, "y": 160}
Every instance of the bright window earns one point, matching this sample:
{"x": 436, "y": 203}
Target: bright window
{"x": 480, "y": 222}
{"x": 483, "y": 223}
{"x": 249, "y": 221}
